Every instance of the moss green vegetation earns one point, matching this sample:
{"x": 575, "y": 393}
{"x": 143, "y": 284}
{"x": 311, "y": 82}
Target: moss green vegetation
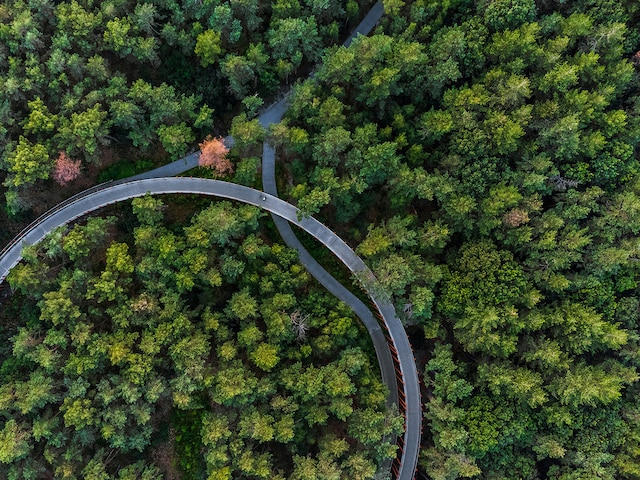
{"x": 481, "y": 154}
{"x": 203, "y": 350}
{"x": 487, "y": 152}
{"x": 78, "y": 76}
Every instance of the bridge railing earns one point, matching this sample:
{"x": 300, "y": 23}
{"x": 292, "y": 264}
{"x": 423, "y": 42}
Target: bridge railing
{"x": 400, "y": 383}
{"x": 18, "y": 238}
{"x": 402, "y": 393}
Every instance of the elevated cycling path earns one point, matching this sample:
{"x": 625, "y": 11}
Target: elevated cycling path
{"x": 390, "y": 343}
{"x": 395, "y": 357}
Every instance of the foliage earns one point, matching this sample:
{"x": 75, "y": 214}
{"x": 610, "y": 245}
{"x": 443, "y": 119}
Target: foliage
{"x": 78, "y": 76}
{"x": 213, "y": 154}
{"x": 483, "y": 157}
{"x": 190, "y": 330}
{"x": 124, "y": 169}
{"x": 65, "y": 169}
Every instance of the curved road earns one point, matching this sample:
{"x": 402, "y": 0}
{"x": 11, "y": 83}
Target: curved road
{"x": 395, "y": 357}
{"x": 119, "y": 191}
{"x": 408, "y": 383}
{"x": 186, "y": 185}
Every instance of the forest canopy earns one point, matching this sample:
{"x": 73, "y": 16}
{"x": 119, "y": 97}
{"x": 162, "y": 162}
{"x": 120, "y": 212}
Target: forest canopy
{"x": 79, "y": 76}
{"x": 202, "y": 349}
{"x": 483, "y": 157}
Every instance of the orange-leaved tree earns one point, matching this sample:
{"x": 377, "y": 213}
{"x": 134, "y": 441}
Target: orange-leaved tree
{"x": 213, "y": 154}
{"x": 65, "y": 169}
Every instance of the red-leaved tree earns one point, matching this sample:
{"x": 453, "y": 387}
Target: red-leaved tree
{"x": 213, "y": 154}
{"x": 65, "y": 169}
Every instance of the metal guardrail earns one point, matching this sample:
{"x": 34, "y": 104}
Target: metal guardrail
{"x": 401, "y": 387}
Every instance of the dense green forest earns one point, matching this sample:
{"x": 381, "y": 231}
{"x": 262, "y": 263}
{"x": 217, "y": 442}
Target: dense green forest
{"x": 188, "y": 352}
{"x": 483, "y": 157}
{"x": 80, "y": 77}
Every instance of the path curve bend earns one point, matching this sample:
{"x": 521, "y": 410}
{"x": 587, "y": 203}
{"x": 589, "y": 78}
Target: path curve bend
{"x": 118, "y": 191}
{"x": 398, "y": 354}
{"x": 394, "y": 353}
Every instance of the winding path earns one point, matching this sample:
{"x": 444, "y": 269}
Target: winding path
{"x": 107, "y": 194}
{"x": 398, "y": 354}
{"x": 394, "y": 353}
